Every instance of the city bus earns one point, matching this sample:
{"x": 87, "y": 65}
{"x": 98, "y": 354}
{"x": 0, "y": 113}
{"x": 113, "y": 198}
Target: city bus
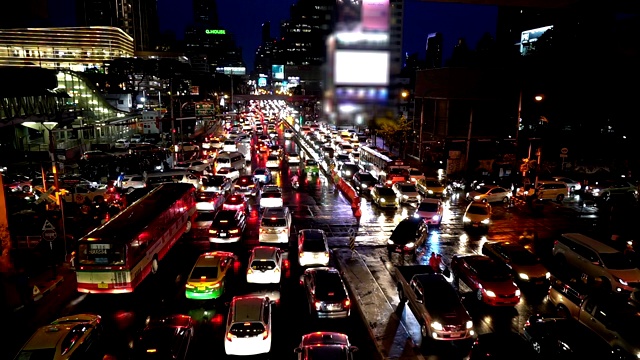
{"x": 380, "y": 162}
{"x": 117, "y": 256}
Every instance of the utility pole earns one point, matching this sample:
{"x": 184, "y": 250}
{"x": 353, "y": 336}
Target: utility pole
{"x": 232, "y": 103}
{"x": 173, "y": 118}
{"x": 466, "y": 160}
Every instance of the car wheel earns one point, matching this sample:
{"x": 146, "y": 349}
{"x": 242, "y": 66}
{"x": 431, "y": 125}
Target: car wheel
{"x": 188, "y": 227}
{"x": 154, "y": 264}
{"x": 484, "y": 201}
{"x": 479, "y": 294}
{"x": 26, "y": 188}
{"x": 505, "y": 200}
{"x": 606, "y": 196}
{"x": 536, "y": 347}
{"x": 563, "y": 312}
{"x": 560, "y": 197}
{"x": 424, "y": 331}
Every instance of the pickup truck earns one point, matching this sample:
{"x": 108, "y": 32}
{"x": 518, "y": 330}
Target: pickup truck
{"x": 434, "y": 303}
{"x": 611, "y": 316}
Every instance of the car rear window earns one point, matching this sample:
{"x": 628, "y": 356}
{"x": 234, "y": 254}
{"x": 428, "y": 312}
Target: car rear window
{"x": 262, "y": 265}
{"x": 204, "y": 272}
{"x": 223, "y": 160}
{"x": 274, "y": 222}
{"x": 272, "y": 195}
{"x": 247, "y": 329}
{"x": 313, "y": 245}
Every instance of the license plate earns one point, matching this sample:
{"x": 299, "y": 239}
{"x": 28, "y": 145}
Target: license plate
{"x": 223, "y": 234}
{"x": 201, "y": 288}
{"x": 475, "y": 225}
{"x": 455, "y": 335}
{"x": 333, "y": 307}
{"x": 103, "y": 286}
{"x": 315, "y": 256}
{"x": 539, "y": 282}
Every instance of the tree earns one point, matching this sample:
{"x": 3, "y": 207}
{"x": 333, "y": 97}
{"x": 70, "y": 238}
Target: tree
{"x": 392, "y": 129}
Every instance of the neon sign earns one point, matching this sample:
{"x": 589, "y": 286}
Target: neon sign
{"x": 215, "y": 32}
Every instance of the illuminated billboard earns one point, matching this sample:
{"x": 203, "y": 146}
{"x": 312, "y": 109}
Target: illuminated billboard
{"x": 215, "y": 32}
{"x": 528, "y": 38}
{"x": 355, "y": 67}
{"x": 277, "y": 72}
{"x": 375, "y": 15}
{"x": 262, "y": 82}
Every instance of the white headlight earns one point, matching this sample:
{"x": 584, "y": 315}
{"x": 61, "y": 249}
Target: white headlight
{"x": 547, "y": 275}
{"x": 518, "y": 292}
{"x": 466, "y": 219}
{"x": 485, "y": 221}
{"x": 382, "y": 200}
{"x": 490, "y": 293}
{"x": 477, "y": 197}
{"x": 469, "y": 324}
{"x": 409, "y": 245}
{"x": 390, "y": 242}
{"x": 523, "y": 276}
{"x": 436, "y": 326}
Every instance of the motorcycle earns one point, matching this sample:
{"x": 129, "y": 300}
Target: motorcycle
{"x": 295, "y": 183}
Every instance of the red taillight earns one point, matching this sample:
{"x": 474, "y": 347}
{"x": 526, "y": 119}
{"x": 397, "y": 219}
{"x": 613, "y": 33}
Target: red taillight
{"x": 347, "y": 303}
{"x": 229, "y": 336}
{"x": 249, "y": 271}
{"x": 285, "y": 263}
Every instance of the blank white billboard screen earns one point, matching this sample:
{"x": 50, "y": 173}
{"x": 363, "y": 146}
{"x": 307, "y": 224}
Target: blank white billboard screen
{"x": 361, "y": 67}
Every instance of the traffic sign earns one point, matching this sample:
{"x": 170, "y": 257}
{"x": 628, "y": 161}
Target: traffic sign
{"x": 564, "y": 150}
{"x": 49, "y": 235}
{"x": 563, "y": 155}
{"x": 48, "y": 226}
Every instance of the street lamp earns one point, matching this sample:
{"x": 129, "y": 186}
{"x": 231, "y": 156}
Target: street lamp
{"x": 404, "y": 93}
{"x": 538, "y": 97}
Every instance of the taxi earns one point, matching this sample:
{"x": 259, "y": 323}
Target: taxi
{"x": 209, "y": 275}
{"x": 236, "y": 202}
{"x": 311, "y": 167}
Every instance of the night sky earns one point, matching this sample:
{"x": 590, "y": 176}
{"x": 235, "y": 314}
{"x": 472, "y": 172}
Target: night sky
{"x": 245, "y": 17}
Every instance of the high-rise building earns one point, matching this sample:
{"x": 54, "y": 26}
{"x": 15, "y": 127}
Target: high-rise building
{"x": 205, "y": 13}
{"x": 433, "y": 51}
{"x": 138, "y": 18}
{"x": 265, "y": 53}
{"x": 395, "y": 36}
{"x": 217, "y": 46}
{"x": 266, "y": 32}
{"x": 304, "y": 34}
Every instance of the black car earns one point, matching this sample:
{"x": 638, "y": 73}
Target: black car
{"x": 326, "y": 293}
{"x": 363, "y": 181}
{"x": 166, "y": 337}
{"x": 562, "y": 338}
{"x": 227, "y": 226}
{"x": 501, "y": 346}
{"x": 408, "y": 236}
{"x": 348, "y": 170}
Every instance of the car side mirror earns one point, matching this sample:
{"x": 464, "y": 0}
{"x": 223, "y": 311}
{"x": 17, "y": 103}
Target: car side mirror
{"x": 297, "y": 350}
{"x": 353, "y": 348}
{"x": 301, "y": 279}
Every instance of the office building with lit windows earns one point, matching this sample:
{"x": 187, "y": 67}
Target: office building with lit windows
{"x": 72, "y": 48}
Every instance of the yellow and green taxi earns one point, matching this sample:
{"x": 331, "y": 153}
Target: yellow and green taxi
{"x": 209, "y": 275}
{"x": 311, "y": 167}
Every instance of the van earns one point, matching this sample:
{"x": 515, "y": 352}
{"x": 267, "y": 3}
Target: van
{"x": 275, "y": 225}
{"x": 230, "y": 145}
{"x": 248, "y": 326}
{"x": 598, "y": 260}
{"x": 171, "y": 177}
{"x": 231, "y": 159}
{"x": 552, "y": 190}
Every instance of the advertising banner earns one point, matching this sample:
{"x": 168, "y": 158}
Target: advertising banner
{"x": 375, "y": 15}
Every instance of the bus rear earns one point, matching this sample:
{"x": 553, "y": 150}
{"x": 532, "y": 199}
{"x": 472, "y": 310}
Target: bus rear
{"x": 102, "y": 268}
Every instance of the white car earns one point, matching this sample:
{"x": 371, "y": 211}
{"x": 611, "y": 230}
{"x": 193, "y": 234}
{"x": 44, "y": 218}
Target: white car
{"x": 477, "y": 215}
{"x": 271, "y": 197}
{"x": 294, "y": 158}
{"x": 275, "y": 225}
{"x": 273, "y": 161}
{"x": 288, "y": 134}
{"x": 187, "y": 146}
{"x": 230, "y": 146}
{"x": 231, "y": 173}
{"x": 430, "y": 210}
{"x": 215, "y": 144}
{"x": 313, "y": 248}
{"x": 122, "y": 144}
{"x": 489, "y": 194}
{"x": 134, "y": 181}
{"x": 248, "y": 326}
{"x": 407, "y": 193}
{"x": 572, "y": 185}
{"x": 265, "y": 265}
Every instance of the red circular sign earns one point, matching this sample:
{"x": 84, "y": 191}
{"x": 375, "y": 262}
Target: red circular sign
{"x": 49, "y": 235}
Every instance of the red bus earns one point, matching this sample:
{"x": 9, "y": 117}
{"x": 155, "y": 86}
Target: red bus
{"x": 117, "y": 256}
{"x": 383, "y": 165}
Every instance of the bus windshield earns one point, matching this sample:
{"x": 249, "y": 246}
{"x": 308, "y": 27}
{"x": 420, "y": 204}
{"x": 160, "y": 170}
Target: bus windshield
{"x": 91, "y": 253}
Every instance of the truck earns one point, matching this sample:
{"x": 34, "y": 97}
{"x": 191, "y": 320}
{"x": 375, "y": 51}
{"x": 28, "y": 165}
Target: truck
{"x": 434, "y": 302}
{"x": 613, "y": 317}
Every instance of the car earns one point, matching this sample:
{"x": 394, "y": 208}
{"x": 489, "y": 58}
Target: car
{"x": 416, "y": 175}
{"x": 311, "y": 167}
{"x": 236, "y": 202}
{"x": 606, "y": 189}
{"x": 477, "y": 215}
{"x": 208, "y": 201}
{"x": 273, "y": 161}
{"x": 264, "y": 139}
{"x": 275, "y": 225}
{"x": 572, "y": 185}
{"x": 288, "y": 134}
{"x": 193, "y": 165}
{"x": 96, "y": 155}
{"x": 325, "y": 345}
{"x": 213, "y": 143}
{"x": 247, "y": 185}
{"x": 216, "y": 183}
{"x": 273, "y": 134}
{"x": 133, "y": 181}
{"x": 17, "y": 183}
{"x": 340, "y": 159}
{"x": 354, "y": 157}
{"x": 431, "y": 211}
{"x": 408, "y": 237}
{"x": 383, "y": 196}
{"x": 525, "y": 266}
{"x": 122, "y": 144}
{"x": 271, "y": 196}
{"x": 266, "y": 265}
{"x": 249, "y": 328}
{"x": 431, "y": 187}
{"x": 263, "y": 147}
{"x": 501, "y": 345}
{"x": 364, "y": 181}
{"x": 70, "y": 337}
{"x": 490, "y": 282}
{"x": 313, "y": 249}
{"x": 227, "y": 227}
{"x": 293, "y": 158}
{"x": 407, "y": 193}
{"x": 229, "y": 172}
{"x": 562, "y": 338}
{"x": 210, "y": 275}
{"x": 187, "y": 146}
{"x": 263, "y": 175}
{"x": 489, "y": 194}
{"x": 276, "y": 150}
{"x": 326, "y": 294}
{"x": 136, "y": 138}
{"x": 230, "y": 145}
{"x": 348, "y": 170}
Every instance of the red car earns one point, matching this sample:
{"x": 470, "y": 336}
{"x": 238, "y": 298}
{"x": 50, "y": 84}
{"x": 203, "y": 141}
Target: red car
{"x": 490, "y": 281}
{"x": 236, "y": 202}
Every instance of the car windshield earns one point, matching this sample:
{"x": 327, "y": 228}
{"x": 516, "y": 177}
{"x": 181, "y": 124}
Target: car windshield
{"x": 213, "y": 180}
{"x": 319, "y": 338}
{"x": 313, "y": 245}
{"x": 616, "y": 261}
{"x": 366, "y": 177}
{"x": 428, "y": 207}
{"x": 478, "y": 210}
{"x": 523, "y": 257}
{"x": 271, "y": 194}
{"x": 408, "y": 188}
{"x": 262, "y": 265}
{"x": 204, "y": 272}
{"x": 447, "y": 300}
{"x": 37, "y": 354}
{"x": 415, "y": 172}
{"x": 274, "y": 222}
{"x": 384, "y": 191}
{"x": 272, "y": 158}
{"x": 399, "y": 171}
{"x": 329, "y": 287}
{"x": 433, "y": 184}
{"x": 260, "y": 172}
{"x": 490, "y": 271}
{"x": 483, "y": 189}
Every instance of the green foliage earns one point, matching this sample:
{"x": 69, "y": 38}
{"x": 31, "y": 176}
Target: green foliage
{"x": 5, "y": 246}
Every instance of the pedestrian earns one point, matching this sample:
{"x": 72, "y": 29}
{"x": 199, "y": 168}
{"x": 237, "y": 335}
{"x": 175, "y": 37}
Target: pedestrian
{"x": 438, "y": 268}
{"x": 433, "y": 262}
